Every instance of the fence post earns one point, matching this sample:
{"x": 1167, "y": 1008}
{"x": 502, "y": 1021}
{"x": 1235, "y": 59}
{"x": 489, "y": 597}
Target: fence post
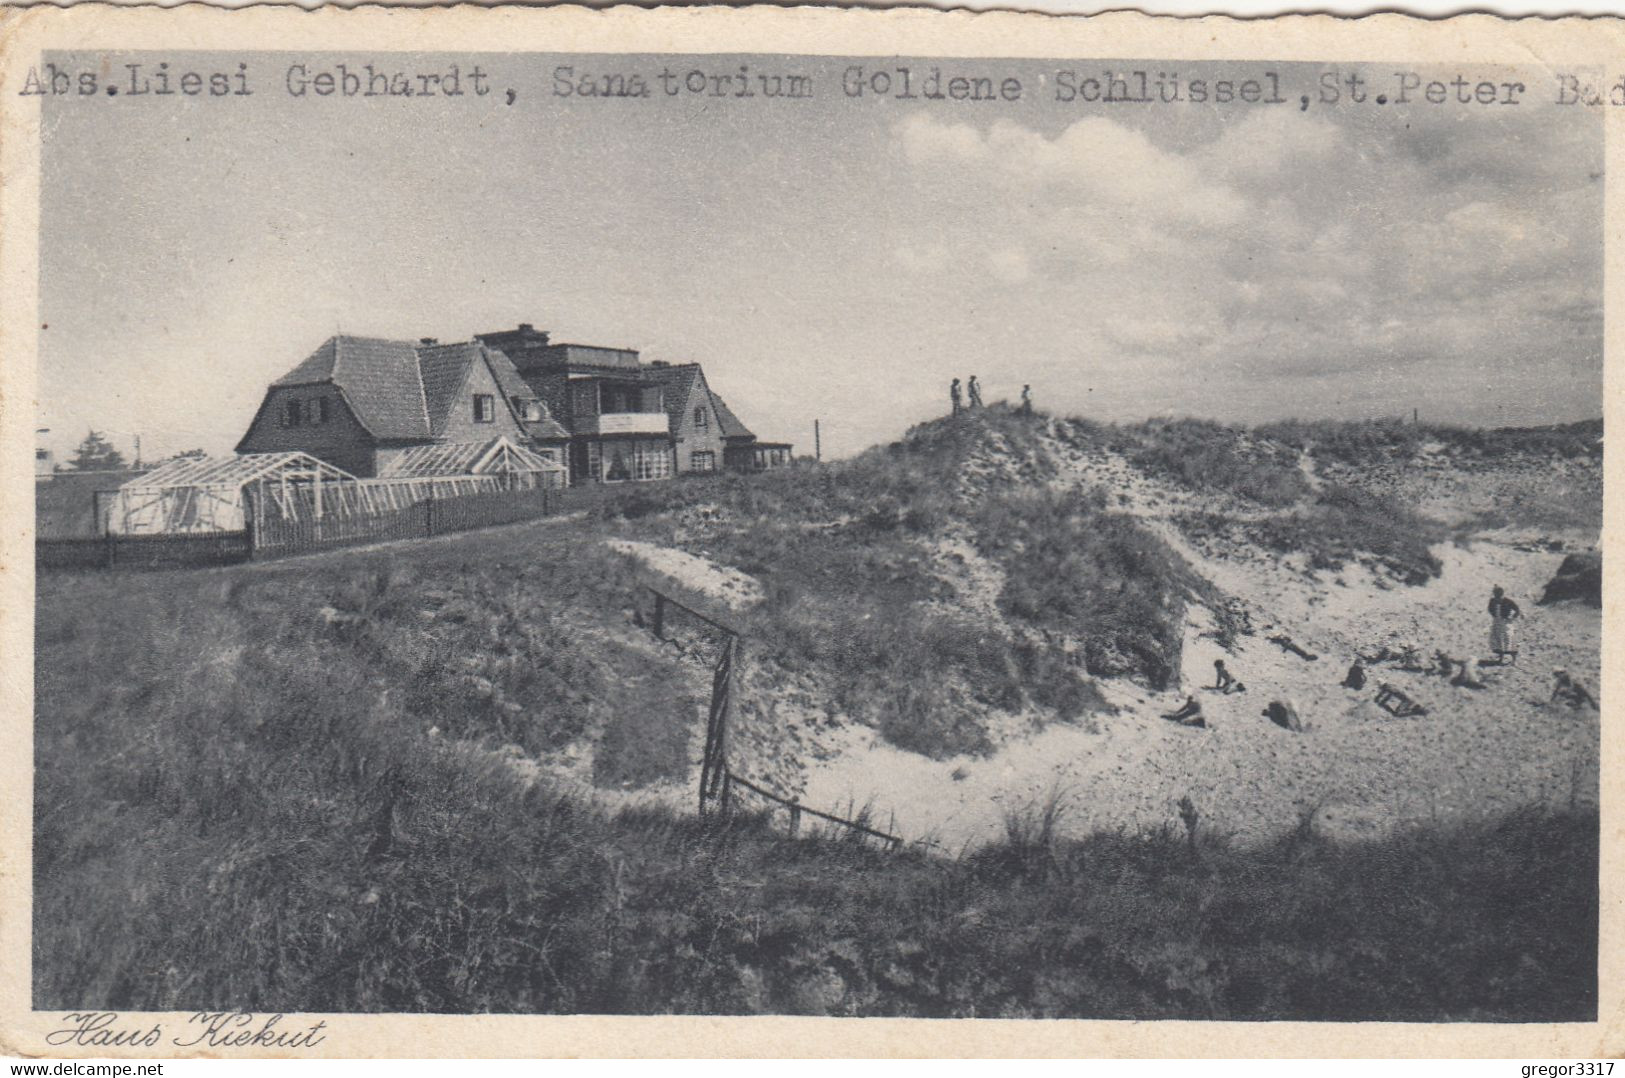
{"x": 795, "y": 818}
{"x": 428, "y": 511}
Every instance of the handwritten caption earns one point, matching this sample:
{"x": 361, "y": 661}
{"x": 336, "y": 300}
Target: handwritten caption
{"x": 205, "y": 1029}
{"x": 359, "y": 79}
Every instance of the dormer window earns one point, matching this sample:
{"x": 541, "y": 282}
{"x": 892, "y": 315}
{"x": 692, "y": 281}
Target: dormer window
{"x": 701, "y": 420}
{"x": 485, "y": 408}
{"x": 293, "y": 413}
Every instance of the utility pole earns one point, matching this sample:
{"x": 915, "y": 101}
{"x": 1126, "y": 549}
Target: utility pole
{"x": 818, "y": 444}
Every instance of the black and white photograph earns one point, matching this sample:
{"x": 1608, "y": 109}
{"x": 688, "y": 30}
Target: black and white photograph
{"x": 762, "y": 533}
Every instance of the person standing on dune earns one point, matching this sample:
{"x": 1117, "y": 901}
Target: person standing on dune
{"x": 1503, "y": 612}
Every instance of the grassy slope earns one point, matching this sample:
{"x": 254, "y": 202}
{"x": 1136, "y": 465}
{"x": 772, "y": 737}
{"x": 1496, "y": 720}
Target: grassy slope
{"x": 254, "y": 813}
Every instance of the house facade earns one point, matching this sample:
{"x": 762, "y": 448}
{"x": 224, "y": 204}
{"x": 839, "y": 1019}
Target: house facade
{"x": 628, "y": 420}
{"x": 363, "y": 404}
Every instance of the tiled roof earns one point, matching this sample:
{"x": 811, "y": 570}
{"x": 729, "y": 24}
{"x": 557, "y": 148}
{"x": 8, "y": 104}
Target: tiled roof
{"x": 401, "y": 390}
{"x": 678, "y": 382}
{"x": 727, "y": 422}
{"x": 379, "y": 380}
{"x": 514, "y": 385}
{"x": 445, "y": 369}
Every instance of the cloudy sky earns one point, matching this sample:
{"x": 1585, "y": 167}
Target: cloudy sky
{"x": 831, "y": 258}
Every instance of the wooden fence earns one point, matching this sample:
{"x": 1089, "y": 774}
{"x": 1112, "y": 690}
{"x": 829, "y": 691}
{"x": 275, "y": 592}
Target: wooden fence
{"x": 719, "y": 784}
{"x": 431, "y": 516}
{"x": 143, "y": 551}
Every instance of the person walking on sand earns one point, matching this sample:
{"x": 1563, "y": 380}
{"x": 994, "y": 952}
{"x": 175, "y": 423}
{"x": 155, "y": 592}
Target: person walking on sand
{"x": 975, "y": 391}
{"x": 953, "y": 395}
{"x": 1503, "y": 612}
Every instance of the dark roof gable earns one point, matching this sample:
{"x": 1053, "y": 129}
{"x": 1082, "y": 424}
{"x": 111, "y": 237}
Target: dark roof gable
{"x": 728, "y": 422}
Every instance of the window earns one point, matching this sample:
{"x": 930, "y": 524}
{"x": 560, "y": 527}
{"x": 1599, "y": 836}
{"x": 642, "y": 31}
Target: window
{"x": 527, "y": 409}
{"x": 701, "y": 420}
{"x": 651, "y": 460}
{"x": 702, "y": 460}
{"x": 42, "y": 454}
{"x": 293, "y": 413}
{"x": 584, "y": 399}
{"x": 485, "y": 408}
{"x": 316, "y": 411}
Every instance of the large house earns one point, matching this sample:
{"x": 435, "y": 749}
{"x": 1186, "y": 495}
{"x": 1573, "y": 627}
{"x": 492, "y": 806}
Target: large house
{"x": 378, "y": 408}
{"x": 631, "y": 420}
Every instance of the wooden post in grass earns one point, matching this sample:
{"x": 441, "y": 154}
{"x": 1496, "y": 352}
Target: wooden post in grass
{"x": 795, "y": 818}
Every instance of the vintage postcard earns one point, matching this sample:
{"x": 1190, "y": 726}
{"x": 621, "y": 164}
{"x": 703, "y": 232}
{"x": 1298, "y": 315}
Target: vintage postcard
{"x": 583, "y": 533}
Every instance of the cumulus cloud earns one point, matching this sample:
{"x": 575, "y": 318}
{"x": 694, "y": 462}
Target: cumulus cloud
{"x": 1278, "y": 243}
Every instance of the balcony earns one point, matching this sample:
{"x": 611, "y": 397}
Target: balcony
{"x": 632, "y": 423}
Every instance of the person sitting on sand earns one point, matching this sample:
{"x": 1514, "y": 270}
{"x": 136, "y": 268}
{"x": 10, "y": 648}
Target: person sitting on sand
{"x": 1224, "y": 681}
{"x": 1284, "y": 714}
{"x": 1355, "y": 679}
{"x": 1467, "y": 677}
{"x": 1503, "y": 612}
{"x": 1397, "y": 702}
{"x": 1571, "y": 691}
{"x": 1188, "y": 715}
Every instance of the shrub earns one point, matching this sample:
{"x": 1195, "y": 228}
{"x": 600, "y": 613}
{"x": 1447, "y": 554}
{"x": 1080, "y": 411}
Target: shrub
{"x": 1097, "y": 576}
{"x": 1207, "y": 456}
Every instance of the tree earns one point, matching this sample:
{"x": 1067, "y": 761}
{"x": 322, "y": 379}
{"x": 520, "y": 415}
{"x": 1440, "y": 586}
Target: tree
{"x": 189, "y": 454}
{"x": 96, "y": 454}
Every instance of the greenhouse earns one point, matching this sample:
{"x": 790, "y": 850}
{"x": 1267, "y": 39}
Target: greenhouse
{"x": 257, "y": 490}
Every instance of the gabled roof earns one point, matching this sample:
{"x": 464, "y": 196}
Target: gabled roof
{"x": 379, "y": 380}
{"x": 727, "y": 422}
{"x": 404, "y": 391}
{"x": 678, "y": 382}
{"x": 445, "y": 368}
{"x": 514, "y": 386}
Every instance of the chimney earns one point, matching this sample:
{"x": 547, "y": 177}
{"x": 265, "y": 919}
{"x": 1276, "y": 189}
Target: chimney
{"x": 527, "y": 327}
{"x": 658, "y": 363}
{"x": 428, "y": 340}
